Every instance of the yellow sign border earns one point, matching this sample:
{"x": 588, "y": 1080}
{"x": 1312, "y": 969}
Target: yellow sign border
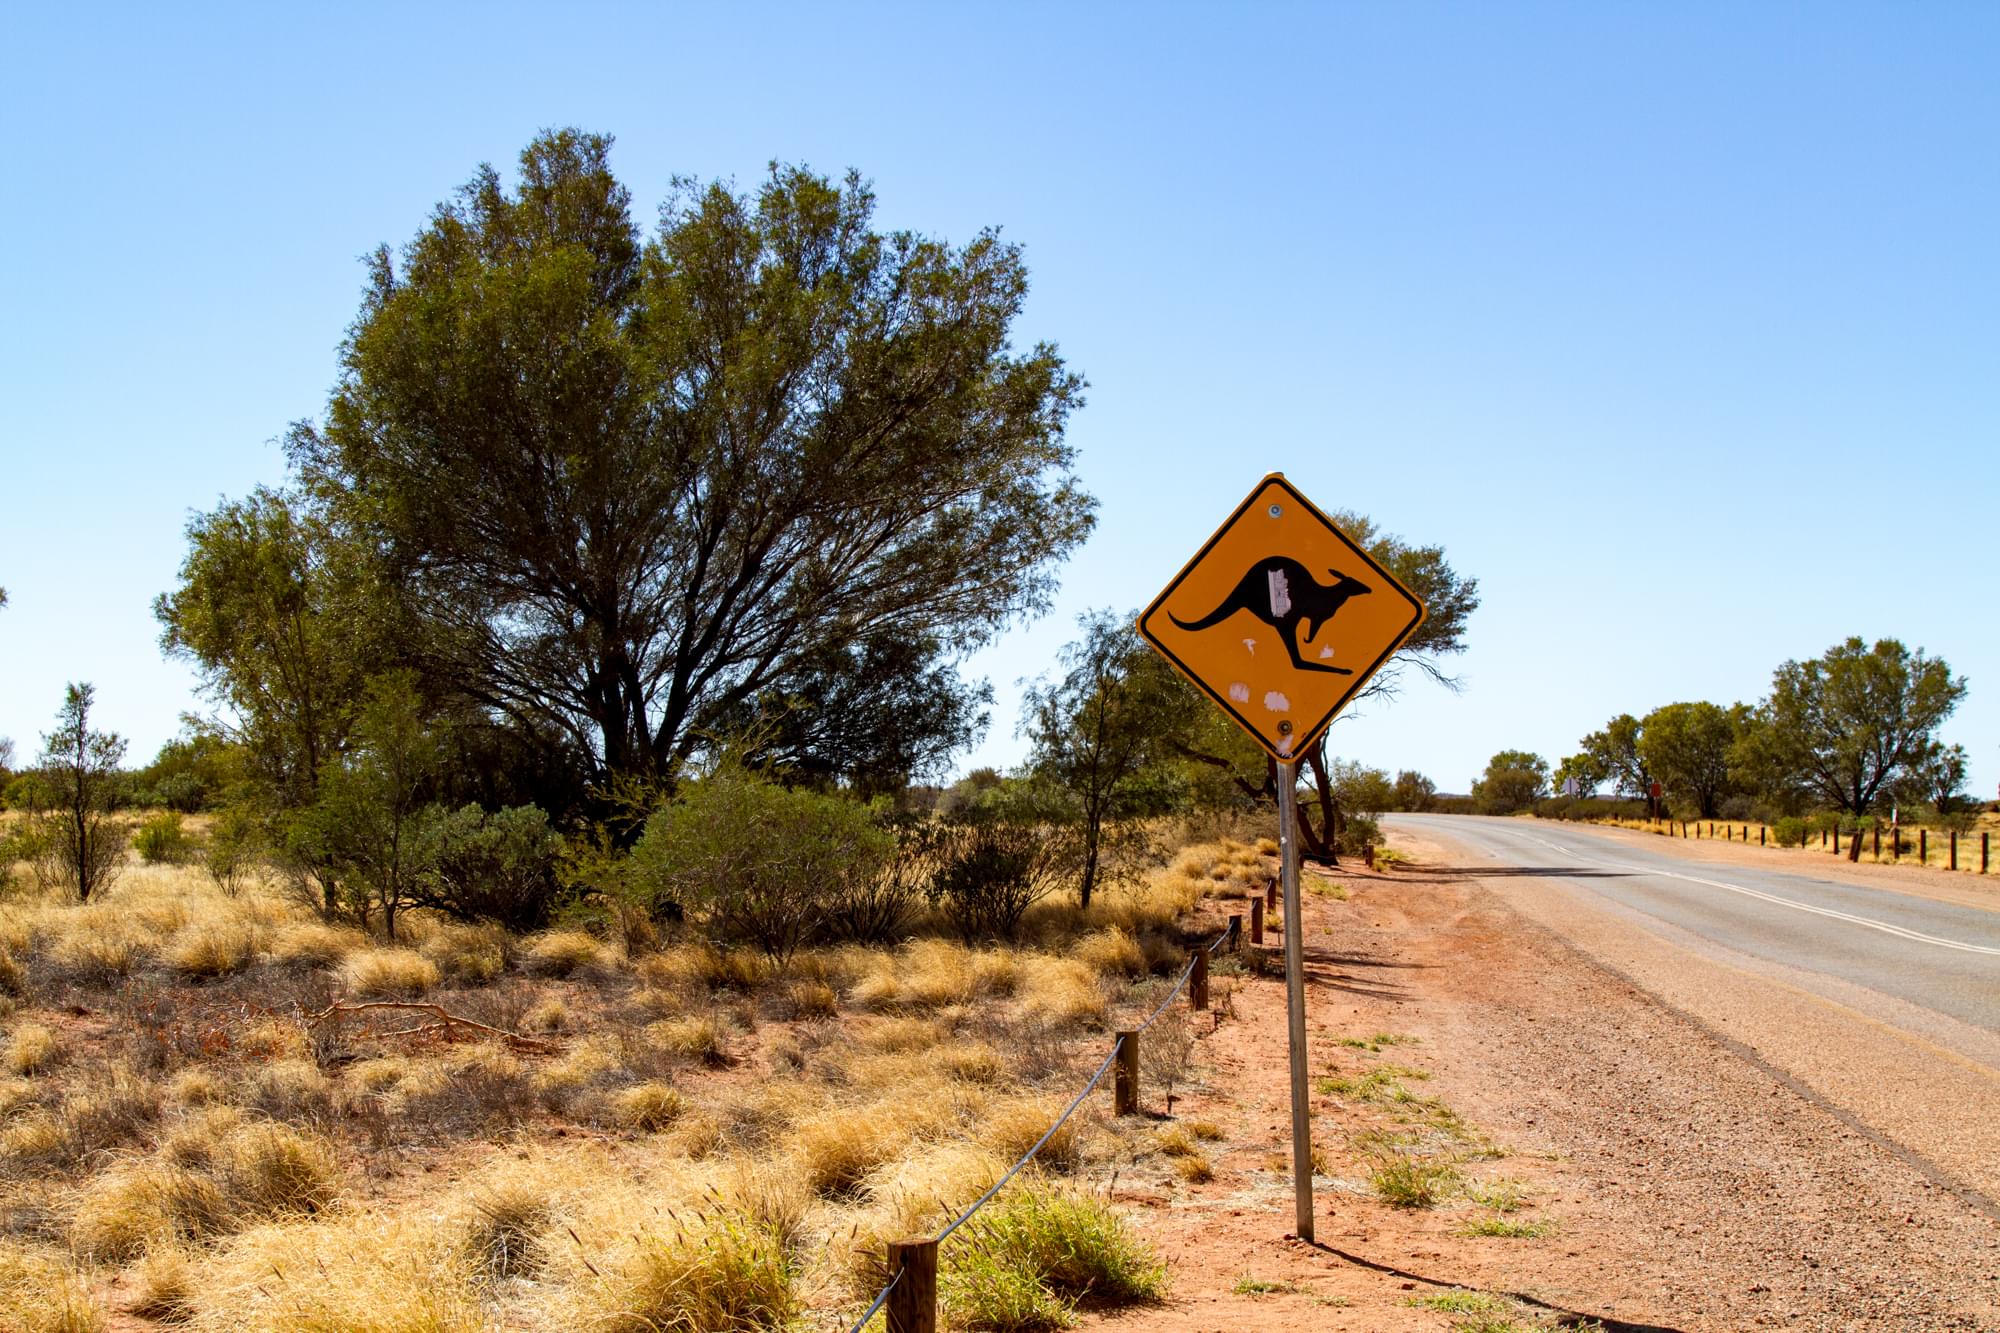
{"x": 1307, "y": 736}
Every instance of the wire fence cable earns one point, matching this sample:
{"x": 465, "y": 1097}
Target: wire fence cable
{"x": 1068, "y": 1111}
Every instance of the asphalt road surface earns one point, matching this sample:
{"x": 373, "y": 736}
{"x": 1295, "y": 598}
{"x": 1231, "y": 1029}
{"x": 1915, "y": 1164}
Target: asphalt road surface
{"x": 1882, "y": 1006}
{"x": 1936, "y": 956}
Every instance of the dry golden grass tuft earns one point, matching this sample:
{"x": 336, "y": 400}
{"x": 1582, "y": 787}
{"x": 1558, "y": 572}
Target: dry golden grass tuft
{"x": 211, "y": 948}
{"x": 31, "y": 1049}
{"x": 126, "y": 1209}
{"x": 195, "y": 1086}
{"x": 347, "y": 1273}
{"x": 41, "y": 1293}
{"x": 16, "y": 1093}
{"x": 838, "y": 1146}
{"x": 291, "y": 1089}
{"x": 13, "y": 977}
{"x": 390, "y": 974}
{"x": 111, "y": 1107}
{"x": 714, "y": 1269}
{"x": 564, "y": 953}
{"x": 314, "y": 944}
{"x": 547, "y": 1015}
{"x": 1013, "y": 1126}
{"x": 1111, "y": 952}
{"x": 501, "y": 1214}
{"x": 700, "y": 966}
{"x": 467, "y": 955}
{"x": 98, "y": 959}
{"x": 164, "y": 1283}
{"x": 698, "y": 1038}
{"x": 899, "y": 1034}
{"x": 934, "y": 974}
{"x": 806, "y": 998}
{"x": 696, "y": 1135}
{"x": 649, "y": 1106}
{"x": 273, "y": 1039}
{"x": 1194, "y": 1168}
{"x": 970, "y": 1061}
{"x": 913, "y": 1195}
{"x": 271, "y": 1168}
{"x": 1060, "y": 992}
{"x": 215, "y": 1174}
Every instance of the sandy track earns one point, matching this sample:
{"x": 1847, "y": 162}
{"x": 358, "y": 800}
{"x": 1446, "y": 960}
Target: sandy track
{"x": 1697, "y": 1182}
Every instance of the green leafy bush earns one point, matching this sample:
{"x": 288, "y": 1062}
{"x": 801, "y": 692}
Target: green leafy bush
{"x": 989, "y": 873}
{"x": 1790, "y": 831}
{"x": 498, "y": 866}
{"x": 755, "y": 861}
{"x": 1357, "y": 833}
{"x": 162, "y": 840}
{"x": 234, "y": 841}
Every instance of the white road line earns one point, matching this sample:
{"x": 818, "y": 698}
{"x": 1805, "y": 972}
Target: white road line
{"x": 1747, "y": 892}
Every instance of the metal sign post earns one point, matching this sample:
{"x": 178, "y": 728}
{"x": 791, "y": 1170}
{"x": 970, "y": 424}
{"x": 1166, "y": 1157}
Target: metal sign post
{"x": 1295, "y": 996}
{"x": 1281, "y": 619}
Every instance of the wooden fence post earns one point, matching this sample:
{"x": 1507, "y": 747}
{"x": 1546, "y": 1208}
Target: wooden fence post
{"x": 1982, "y": 851}
{"x": 1198, "y": 980}
{"x": 912, "y": 1306}
{"x": 1761, "y": 830}
{"x": 1256, "y": 920}
{"x": 1876, "y": 839}
{"x": 1954, "y": 849}
{"x": 1271, "y": 893}
{"x": 1234, "y": 943}
{"x": 1836, "y": 839}
{"x": 1125, "y": 1075}
{"x": 1923, "y": 846}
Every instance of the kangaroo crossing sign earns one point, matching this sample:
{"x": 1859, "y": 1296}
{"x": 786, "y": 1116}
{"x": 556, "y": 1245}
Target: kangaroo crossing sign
{"x": 1281, "y": 618}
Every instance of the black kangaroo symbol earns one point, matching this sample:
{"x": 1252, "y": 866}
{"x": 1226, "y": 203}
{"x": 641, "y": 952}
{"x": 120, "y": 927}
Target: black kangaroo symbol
{"x": 1281, "y": 592}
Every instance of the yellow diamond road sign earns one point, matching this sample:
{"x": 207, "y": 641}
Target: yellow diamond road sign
{"x": 1281, "y": 618}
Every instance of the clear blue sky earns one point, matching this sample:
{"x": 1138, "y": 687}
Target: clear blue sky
{"x": 1678, "y": 325}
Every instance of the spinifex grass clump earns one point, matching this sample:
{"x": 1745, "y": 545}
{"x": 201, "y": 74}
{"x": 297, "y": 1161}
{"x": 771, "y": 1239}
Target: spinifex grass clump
{"x": 717, "y": 1270}
{"x": 1027, "y": 1261}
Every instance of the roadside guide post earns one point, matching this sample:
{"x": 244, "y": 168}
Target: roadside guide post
{"x": 1250, "y": 621}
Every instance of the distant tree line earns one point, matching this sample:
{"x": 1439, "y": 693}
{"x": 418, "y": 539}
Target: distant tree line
{"x": 1853, "y": 732}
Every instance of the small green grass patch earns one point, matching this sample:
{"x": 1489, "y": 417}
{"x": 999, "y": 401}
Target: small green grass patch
{"x": 1512, "y": 1228}
{"x": 1414, "y": 1182}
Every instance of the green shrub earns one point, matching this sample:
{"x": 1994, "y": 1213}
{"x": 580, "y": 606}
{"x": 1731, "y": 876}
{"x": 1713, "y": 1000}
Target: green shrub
{"x": 491, "y": 867}
{"x": 162, "y": 841}
{"x": 989, "y": 873}
{"x": 234, "y": 841}
{"x": 756, "y": 861}
{"x": 1026, "y": 1261}
{"x": 1790, "y": 831}
{"x": 1357, "y": 833}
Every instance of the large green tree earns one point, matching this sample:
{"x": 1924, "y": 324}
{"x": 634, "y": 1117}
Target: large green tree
{"x": 284, "y": 622}
{"x": 1513, "y": 781}
{"x": 1614, "y": 753}
{"x": 1854, "y": 721}
{"x": 626, "y": 486}
{"x": 1688, "y": 747}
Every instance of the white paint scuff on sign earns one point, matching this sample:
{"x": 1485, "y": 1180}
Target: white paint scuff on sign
{"x": 1276, "y": 702}
{"x": 1281, "y": 591}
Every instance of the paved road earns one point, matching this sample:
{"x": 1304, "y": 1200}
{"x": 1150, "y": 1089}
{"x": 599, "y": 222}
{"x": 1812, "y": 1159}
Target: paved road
{"x": 1937, "y": 956}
